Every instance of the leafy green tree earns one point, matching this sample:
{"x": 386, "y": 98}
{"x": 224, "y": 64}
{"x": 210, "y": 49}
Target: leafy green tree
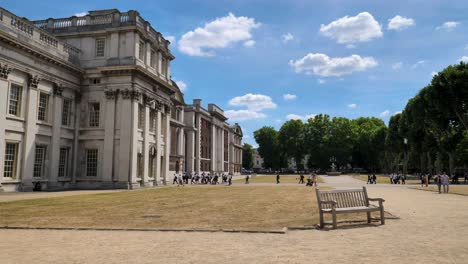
{"x": 291, "y": 141}
{"x": 247, "y": 156}
{"x": 269, "y": 148}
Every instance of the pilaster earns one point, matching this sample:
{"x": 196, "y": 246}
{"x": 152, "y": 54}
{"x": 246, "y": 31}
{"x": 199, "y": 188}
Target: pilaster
{"x": 109, "y": 135}
{"x": 4, "y": 72}
{"x": 167, "y": 147}
{"x": 30, "y": 135}
{"x": 146, "y": 145}
{"x": 77, "y": 111}
{"x": 213, "y": 148}
{"x": 56, "y": 131}
{"x": 159, "y": 148}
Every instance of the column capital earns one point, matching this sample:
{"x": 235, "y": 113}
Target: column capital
{"x": 34, "y": 81}
{"x": 147, "y": 100}
{"x": 5, "y": 71}
{"x": 111, "y": 94}
{"x": 129, "y": 94}
{"x": 58, "y": 89}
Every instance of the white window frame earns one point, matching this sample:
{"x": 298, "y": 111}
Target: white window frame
{"x": 43, "y": 111}
{"x": 141, "y": 50}
{"x": 92, "y": 162}
{"x": 19, "y": 100}
{"x": 100, "y": 53}
{"x": 63, "y": 162}
{"x": 66, "y": 112}
{"x": 14, "y": 163}
{"x": 39, "y": 161}
{"x": 94, "y": 117}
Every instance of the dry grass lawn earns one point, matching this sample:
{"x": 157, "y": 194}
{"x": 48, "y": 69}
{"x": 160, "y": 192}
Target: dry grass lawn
{"x": 454, "y": 189}
{"x": 201, "y": 207}
{"x": 290, "y": 178}
{"x": 384, "y": 179}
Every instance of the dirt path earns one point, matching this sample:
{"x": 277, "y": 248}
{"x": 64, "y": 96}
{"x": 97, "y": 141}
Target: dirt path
{"x": 433, "y": 229}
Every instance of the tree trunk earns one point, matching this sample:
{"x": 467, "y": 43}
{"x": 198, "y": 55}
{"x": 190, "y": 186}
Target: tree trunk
{"x": 451, "y": 163}
{"x": 430, "y": 165}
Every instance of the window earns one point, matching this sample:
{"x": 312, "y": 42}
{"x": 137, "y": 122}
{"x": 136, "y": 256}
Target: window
{"x": 39, "y": 159}
{"x": 43, "y": 107}
{"x": 153, "y": 59}
{"x": 100, "y": 47}
{"x": 63, "y": 162}
{"x": 15, "y": 100}
{"x": 91, "y": 162}
{"x": 66, "y": 112}
{"x": 141, "y": 116}
{"x": 94, "y": 114}
{"x": 151, "y": 164}
{"x": 11, "y": 154}
{"x": 152, "y": 127}
{"x": 140, "y": 165}
{"x": 141, "y": 50}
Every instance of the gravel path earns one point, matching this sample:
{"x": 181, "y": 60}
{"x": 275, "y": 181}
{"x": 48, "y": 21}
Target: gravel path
{"x": 433, "y": 229}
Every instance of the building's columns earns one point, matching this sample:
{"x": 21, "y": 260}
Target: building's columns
{"x": 222, "y": 150}
{"x": 167, "y": 120}
{"x": 56, "y": 131}
{"x": 189, "y": 156}
{"x": 213, "y": 147}
{"x": 135, "y": 180}
{"x": 109, "y": 135}
{"x": 146, "y": 145}
{"x": 159, "y": 148}
{"x": 76, "y": 167}
{"x": 4, "y": 72}
{"x": 159, "y": 63}
{"x": 30, "y": 135}
{"x": 127, "y": 167}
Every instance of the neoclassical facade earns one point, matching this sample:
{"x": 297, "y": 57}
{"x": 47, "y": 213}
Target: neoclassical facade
{"x": 88, "y": 102}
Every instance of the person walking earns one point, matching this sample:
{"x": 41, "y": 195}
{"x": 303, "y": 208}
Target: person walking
{"x": 403, "y": 179}
{"x": 374, "y": 178}
{"x": 277, "y": 178}
{"x": 301, "y": 179}
{"x": 438, "y": 180}
{"x": 314, "y": 179}
{"x": 247, "y": 179}
{"x": 230, "y": 179}
{"x": 445, "y": 182}
{"x": 466, "y": 178}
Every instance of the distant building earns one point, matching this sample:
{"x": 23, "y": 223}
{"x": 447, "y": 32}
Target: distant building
{"x": 88, "y": 102}
{"x": 257, "y": 161}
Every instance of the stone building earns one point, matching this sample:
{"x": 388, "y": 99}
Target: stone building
{"x": 88, "y": 102}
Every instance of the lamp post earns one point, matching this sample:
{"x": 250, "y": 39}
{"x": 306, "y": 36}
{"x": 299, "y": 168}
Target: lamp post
{"x": 405, "y": 163}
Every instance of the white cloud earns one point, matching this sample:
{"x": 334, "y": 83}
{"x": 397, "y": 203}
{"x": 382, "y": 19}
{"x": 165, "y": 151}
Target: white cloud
{"x": 171, "y": 39}
{"x": 449, "y": 25}
{"x": 433, "y": 73}
{"x": 385, "y": 113}
{"x": 417, "y": 64}
{"x": 243, "y": 115}
{"x": 360, "y": 28}
{"x": 352, "y": 106}
{"x": 321, "y": 81}
{"x": 397, "y": 112}
{"x": 464, "y": 59}
{"x": 217, "y": 34}
{"x": 278, "y": 120}
{"x": 182, "y": 85}
{"x": 400, "y": 23}
{"x": 287, "y": 37}
{"x": 322, "y": 65}
{"x": 397, "y": 65}
{"x": 289, "y": 97}
{"x": 254, "y": 102}
{"x": 249, "y": 43}
{"x": 299, "y": 117}
{"x": 81, "y": 14}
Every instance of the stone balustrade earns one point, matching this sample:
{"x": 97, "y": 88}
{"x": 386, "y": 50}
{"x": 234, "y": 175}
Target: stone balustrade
{"x": 102, "y": 19}
{"x": 24, "y": 30}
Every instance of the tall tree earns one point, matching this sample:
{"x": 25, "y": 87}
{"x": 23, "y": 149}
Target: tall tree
{"x": 247, "y": 156}
{"x": 291, "y": 141}
{"x": 269, "y": 148}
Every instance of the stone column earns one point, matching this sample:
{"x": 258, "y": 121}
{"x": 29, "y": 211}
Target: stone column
{"x": 76, "y": 140}
{"x": 167, "y": 146}
{"x": 4, "y": 72}
{"x": 213, "y": 148}
{"x": 159, "y": 146}
{"x": 135, "y": 97}
{"x": 109, "y": 135}
{"x": 189, "y": 156}
{"x": 124, "y": 172}
{"x": 222, "y": 150}
{"x": 56, "y": 135}
{"x": 146, "y": 144}
{"x": 159, "y": 62}
{"x": 30, "y": 135}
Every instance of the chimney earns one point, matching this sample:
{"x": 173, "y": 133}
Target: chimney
{"x": 196, "y": 102}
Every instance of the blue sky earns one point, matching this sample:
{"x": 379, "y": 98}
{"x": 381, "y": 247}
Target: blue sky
{"x": 265, "y": 62}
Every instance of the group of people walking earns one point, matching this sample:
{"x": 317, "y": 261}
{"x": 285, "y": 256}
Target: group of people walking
{"x": 397, "y": 178}
{"x": 182, "y": 179}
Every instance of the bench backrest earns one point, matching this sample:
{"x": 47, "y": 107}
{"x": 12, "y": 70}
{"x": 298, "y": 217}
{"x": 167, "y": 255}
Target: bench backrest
{"x": 343, "y": 198}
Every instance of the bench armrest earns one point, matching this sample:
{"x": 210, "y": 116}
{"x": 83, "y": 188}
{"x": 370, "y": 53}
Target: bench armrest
{"x": 376, "y": 199}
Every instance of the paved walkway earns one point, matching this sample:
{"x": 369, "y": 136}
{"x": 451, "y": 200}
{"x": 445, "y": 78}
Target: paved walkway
{"x": 433, "y": 229}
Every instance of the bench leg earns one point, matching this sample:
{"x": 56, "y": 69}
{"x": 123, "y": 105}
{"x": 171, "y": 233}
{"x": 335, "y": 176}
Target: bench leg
{"x": 334, "y": 221}
{"x": 322, "y": 225}
{"x": 368, "y": 217}
{"x": 382, "y": 215}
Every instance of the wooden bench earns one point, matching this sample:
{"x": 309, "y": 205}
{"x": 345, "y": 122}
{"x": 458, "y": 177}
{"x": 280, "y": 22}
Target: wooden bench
{"x": 347, "y": 201}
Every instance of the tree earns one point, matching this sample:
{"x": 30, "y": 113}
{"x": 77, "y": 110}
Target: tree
{"x": 269, "y": 148}
{"x": 291, "y": 141}
{"x": 247, "y": 156}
